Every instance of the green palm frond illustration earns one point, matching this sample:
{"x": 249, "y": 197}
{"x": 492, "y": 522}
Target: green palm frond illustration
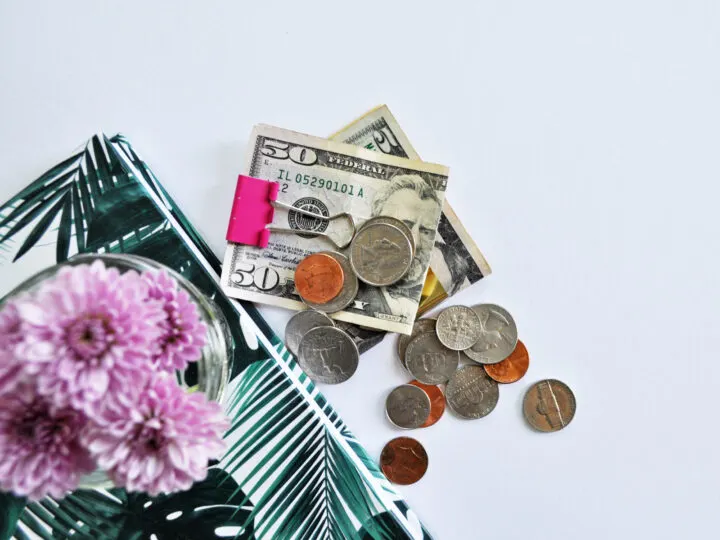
{"x": 115, "y": 514}
{"x": 304, "y": 483}
{"x": 72, "y": 190}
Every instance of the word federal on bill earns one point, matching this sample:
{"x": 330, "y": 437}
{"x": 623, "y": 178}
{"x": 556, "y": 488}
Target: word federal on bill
{"x": 328, "y": 178}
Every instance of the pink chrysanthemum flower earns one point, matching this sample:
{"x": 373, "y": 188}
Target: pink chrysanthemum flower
{"x": 89, "y": 332}
{"x": 40, "y": 451}
{"x": 11, "y": 332}
{"x": 158, "y": 438}
{"x": 183, "y": 332}
{"x": 11, "y": 369}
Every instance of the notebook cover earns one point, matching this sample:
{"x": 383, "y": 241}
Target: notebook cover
{"x": 293, "y": 469}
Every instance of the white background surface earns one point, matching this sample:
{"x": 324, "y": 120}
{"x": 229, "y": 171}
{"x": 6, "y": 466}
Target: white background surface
{"x": 583, "y": 144}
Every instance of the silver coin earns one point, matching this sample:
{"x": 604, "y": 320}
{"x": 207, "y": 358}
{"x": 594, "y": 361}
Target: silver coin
{"x": 421, "y": 326}
{"x": 471, "y": 393}
{"x": 458, "y": 327}
{"x": 380, "y": 254}
{"x": 300, "y": 323}
{"x": 395, "y": 223}
{"x": 497, "y": 335}
{"x": 429, "y": 361}
{"x": 348, "y": 292}
{"x": 407, "y": 406}
{"x": 328, "y": 355}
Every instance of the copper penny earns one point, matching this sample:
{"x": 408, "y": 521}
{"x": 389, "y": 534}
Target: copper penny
{"x": 437, "y": 401}
{"x": 513, "y": 368}
{"x": 404, "y": 461}
{"x": 549, "y": 405}
{"x": 319, "y": 278}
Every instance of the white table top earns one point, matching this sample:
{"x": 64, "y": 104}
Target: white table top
{"x": 583, "y": 146}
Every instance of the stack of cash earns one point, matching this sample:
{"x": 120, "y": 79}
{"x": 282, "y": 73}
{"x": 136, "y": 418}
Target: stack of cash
{"x": 380, "y": 175}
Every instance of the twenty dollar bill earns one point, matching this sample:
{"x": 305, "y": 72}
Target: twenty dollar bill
{"x": 330, "y": 178}
{"x": 456, "y": 262}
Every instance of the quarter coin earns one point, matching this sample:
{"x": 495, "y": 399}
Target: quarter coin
{"x": 549, "y": 405}
{"x": 498, "y": 335}
{"x": 458, "y": 327}
{"x": 513, "y": 368}
{"x": 395, "y": 223}
{"x": 471, "y": 393}
{"x": 408, "y": 406}
{"x": 319, "y": 278}
{"x": 380, "y": 254}
{"x": 429, "y": 361}
{"x": 349, "y": 289}
{"x": 421, "y": 326}
{"x": 404, "y": 461}
{"x": 328, "y": 355}
{"x": 437, "y": 401}
{"x": 300, "y": 323}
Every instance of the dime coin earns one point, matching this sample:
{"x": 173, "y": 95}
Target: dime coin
{"x": 421, "y": 326}
{"x": 429, "y": 361}
{"x": 328, "y": 355}
{"x": 437, "y": 402}
{"x": 408, "y": 406}
{"x": 319, "y": 278}
{"x": 471, "y": 393}
{"x": 404, "y": 461}
{"x": 513, "y": 368}
{"x": 349, "y": 290}
{"x": 300, "y": 323}
{"x": 380, "y": 254}
{"x": 395, "y": 223}
{"x": 498, "y": 335}
{"x": 458, "y": 327}
{"x": 549, "y": 405}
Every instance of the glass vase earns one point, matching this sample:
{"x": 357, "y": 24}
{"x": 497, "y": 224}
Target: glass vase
{"x": 209, "y": 374}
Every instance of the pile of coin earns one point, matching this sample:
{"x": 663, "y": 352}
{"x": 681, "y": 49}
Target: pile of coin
{"x": 457, "y": 359}
{"x": 469, "y": 351}
{"x": 326, "y": 353}
{"x": 381, "y": 254}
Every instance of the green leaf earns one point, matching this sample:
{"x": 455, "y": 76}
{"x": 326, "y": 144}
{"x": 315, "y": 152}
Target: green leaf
{"x": 30, "y": 217}
{"x": 116, "y": 164}
{"x": 62, "y": 248}
{"x": 78, "y": 219}
{"x": 85, "y": 196}
{"x": 121, "y": 210}
{"x": 40, "y": 184}
{"x": 91, "y": 175}
{"x": 193, "y": 514}
{"x": 41, "y": 227}
{"x": 304, "y": 479}
{"x": 102, "y": 166}
{"x": 10, "y": 509}
{"x": 47, "y": 193}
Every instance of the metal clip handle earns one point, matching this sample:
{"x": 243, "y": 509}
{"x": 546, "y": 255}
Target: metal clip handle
{"x": 346, "y": 215}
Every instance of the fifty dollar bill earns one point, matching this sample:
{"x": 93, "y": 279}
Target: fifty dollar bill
{"x": 456, "y": 261}
{"x": 330, "y": 178}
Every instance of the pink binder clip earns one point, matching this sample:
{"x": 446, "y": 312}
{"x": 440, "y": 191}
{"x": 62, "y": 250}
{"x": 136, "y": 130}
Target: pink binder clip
{"x": 253, "y": 211}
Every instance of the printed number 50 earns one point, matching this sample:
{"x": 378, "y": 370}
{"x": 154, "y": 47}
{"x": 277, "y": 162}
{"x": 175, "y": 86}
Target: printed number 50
{"x": 283, "y": 150}
{"x": 246, "y": 275}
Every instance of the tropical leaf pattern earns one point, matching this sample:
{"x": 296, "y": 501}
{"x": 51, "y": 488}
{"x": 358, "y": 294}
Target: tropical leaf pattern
{"x": 293, "y": 469}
